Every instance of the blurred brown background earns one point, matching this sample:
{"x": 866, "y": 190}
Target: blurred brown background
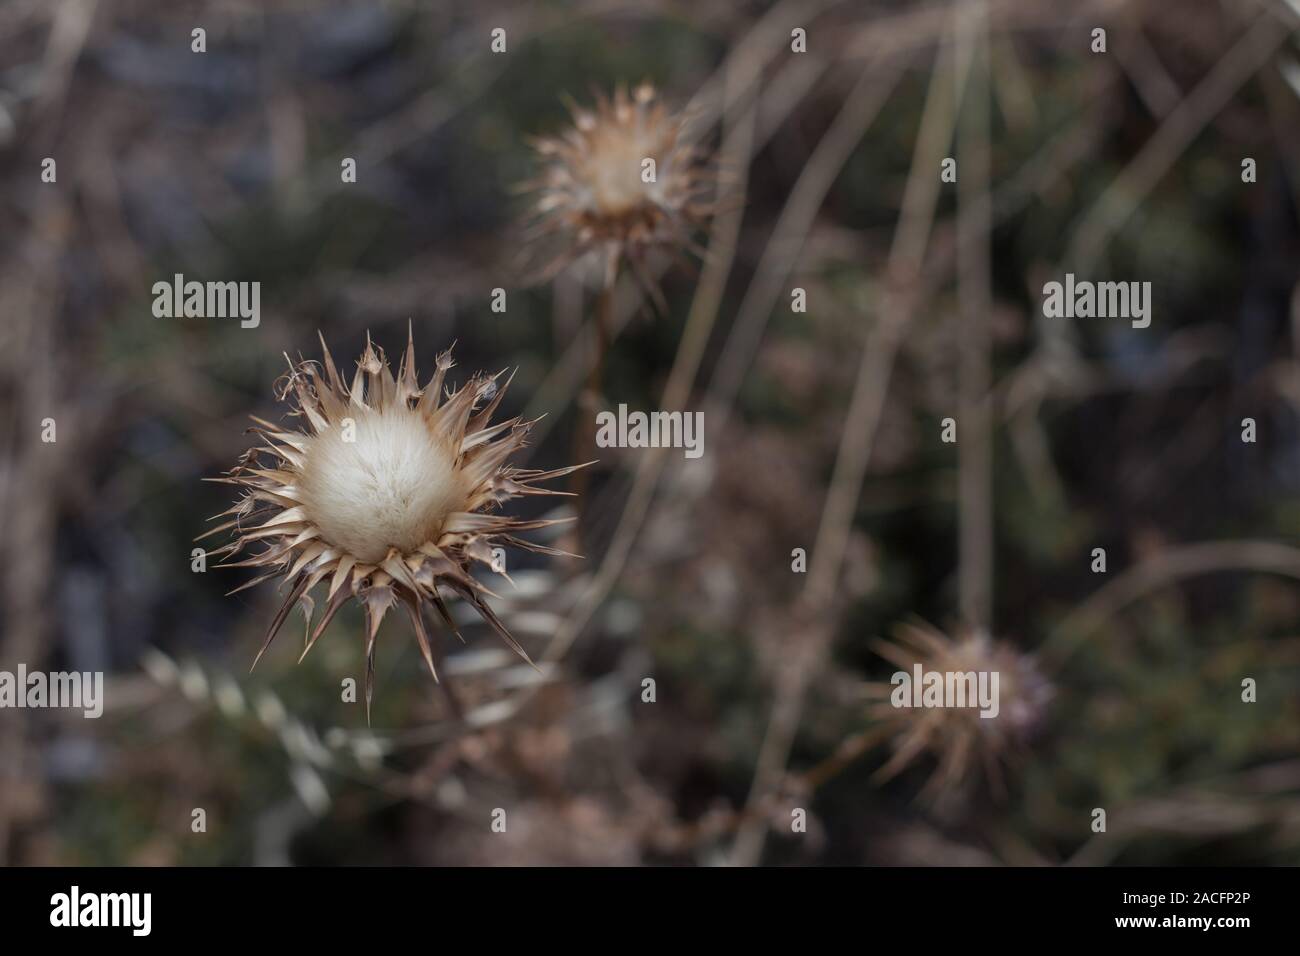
{"x": 822, "y": 429}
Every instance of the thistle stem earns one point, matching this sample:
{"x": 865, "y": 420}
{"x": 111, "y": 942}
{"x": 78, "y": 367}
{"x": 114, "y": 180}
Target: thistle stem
{"x": 584, "y": 433}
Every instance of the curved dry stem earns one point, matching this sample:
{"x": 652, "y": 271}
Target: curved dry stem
{"x": 1160, "y": 572}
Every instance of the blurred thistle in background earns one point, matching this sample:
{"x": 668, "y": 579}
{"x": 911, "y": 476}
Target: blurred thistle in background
{"x": 623, "y": 180}
{"x": 700, "y": 673}
{"x": 959, "y": 737}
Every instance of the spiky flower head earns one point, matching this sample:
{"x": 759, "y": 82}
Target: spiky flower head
{"x": 622, "y": 180}
{"x": 387, "y": 495}
{"x": 959, "y": 738}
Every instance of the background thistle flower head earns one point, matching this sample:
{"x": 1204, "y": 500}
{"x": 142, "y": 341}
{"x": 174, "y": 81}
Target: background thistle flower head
{"x": 961, "y": 740}
{"x": 598, "y": 191}
{"x": 388, "y": 495}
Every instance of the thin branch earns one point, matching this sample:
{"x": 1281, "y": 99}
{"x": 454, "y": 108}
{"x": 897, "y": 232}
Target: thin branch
{"x": 1165, "y": 569}
{"x": 865, "y": 408}
{"x": 790, "y": 233}
{"x": 975, "y": 438}
{"x": 1117, "y": 204}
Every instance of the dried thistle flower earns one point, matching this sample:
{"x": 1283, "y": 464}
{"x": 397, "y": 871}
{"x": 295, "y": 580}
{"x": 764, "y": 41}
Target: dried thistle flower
{"x": 958, "y": 737}
{"x": 388, "y": 492}
{"x": 595, "y": 191}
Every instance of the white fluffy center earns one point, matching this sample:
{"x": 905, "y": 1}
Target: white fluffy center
{"x": 614, "y": 176}
{"x": 391, "y": 486}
